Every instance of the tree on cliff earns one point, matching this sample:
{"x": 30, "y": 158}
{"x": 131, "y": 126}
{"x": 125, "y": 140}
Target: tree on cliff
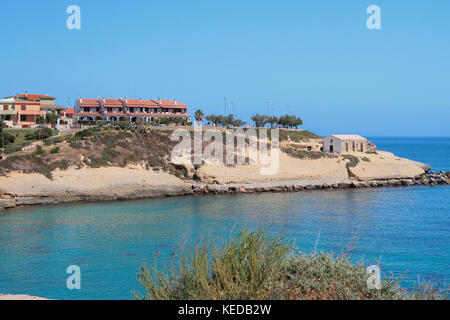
{"x": 259, "y": 120}
{"x": 198, "y": 115}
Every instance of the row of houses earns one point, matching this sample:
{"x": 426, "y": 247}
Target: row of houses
{"x": 134, "y": 110}
{"x": 25, "y": 110}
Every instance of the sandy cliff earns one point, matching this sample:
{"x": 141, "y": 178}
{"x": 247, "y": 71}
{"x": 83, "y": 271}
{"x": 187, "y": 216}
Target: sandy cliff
{"x": 89, "y": 184}
{"x": 383, "y": 165}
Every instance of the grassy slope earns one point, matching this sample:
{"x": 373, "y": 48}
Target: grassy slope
{"x": 101, "y": 147}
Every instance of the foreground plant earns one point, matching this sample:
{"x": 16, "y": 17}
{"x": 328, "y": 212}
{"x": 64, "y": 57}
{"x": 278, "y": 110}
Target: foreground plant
{"x": 254, "y": 265}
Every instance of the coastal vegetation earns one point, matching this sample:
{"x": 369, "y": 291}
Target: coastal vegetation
{"x": 224, "y": 121}
{"x": 255, "y": 265}
{"x": 297, "y": 136}
{"x": 285, "y": 121}
{"x": 353, "y": 160}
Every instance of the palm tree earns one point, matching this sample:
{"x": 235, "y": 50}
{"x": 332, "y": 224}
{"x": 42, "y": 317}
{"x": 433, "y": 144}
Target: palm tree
{"x": 198, "y": 115}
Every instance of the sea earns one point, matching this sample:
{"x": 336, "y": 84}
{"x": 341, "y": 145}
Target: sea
{"x": 406, "y": 230}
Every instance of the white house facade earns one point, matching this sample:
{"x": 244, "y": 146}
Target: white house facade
{"x": 345, "y": 143}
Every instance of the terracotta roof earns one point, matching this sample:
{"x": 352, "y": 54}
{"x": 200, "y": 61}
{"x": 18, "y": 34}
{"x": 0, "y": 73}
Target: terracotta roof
{"x": 86, "y": 102}
{"x": 115, "y": 102}
{"x": 172, "y": 104}
{"x": 34, "y": 96}
{"x": 137, "y": 102}
{"x": 68, "y": 111}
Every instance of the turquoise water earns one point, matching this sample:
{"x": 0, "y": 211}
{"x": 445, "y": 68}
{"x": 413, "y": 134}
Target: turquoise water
{"x": 407, "y": 229}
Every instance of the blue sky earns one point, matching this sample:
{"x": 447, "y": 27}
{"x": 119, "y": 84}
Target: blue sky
{"x": 317, "y": 57}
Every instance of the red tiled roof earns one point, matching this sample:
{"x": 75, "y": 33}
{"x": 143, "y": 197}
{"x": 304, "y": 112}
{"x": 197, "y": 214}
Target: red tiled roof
{"x": 87, "y": 102}
{"x": 68, "y": 111}
{"x": 155, "y": 103}
{"x": 172, "y": 104}
{"x": 137, "y": 102}
{"x": 115, "y": 102}
{"x": 34, "y": 96}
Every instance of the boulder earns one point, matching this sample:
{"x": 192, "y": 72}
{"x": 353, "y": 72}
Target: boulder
{"x": 394, "y": 182}
{"x": 355, "y": 184}
{"x": 241, "y": 189}
{"x": 364, "y": 184}
{"x": 407, "y": 182}
{"x": 8, "y": 203}
{"x": 277, "y": 189}
{"x": 344, "y": 185}
{"x": 382, "y": 183}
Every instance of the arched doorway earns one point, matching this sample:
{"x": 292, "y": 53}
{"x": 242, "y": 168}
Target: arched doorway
{"x": 331, "y": 148}
{"x": 362, "y": 147}
{"x": 346, "y": 146}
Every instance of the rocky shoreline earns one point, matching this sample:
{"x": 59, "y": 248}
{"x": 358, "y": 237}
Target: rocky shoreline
{"x": 428, "y": 179}
{"x": 8, "y": 200}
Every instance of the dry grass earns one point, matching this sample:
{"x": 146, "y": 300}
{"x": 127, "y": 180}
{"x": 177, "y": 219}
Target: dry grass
{"x": 254, "y": 265}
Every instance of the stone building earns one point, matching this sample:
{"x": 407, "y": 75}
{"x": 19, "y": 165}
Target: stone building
{"x": 346, "y": 143}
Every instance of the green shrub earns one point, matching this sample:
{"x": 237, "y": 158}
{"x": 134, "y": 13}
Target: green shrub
{"x": 253, "y": 265}
{"x": 82, "y": 134}
{"x": 40, "y": 134}
{"x": 39, "y": 151}
{"x": 7, "y": 138}
{"x": 58, "y": 139}
{"x": 353, "y": 161}
{"x": 244, "y": 268}
{"x": 16, "y": 147}
{"x": 54, "y": 150}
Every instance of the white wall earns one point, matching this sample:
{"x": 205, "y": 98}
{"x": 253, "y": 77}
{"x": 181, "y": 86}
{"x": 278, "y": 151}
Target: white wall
{"x": 332, "y": 141}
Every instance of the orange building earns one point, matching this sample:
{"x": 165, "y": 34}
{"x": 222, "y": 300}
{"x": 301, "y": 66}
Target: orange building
{"x": 27, "y": 112}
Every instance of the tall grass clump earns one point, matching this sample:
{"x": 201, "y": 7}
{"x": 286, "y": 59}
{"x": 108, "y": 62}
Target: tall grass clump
{"x": 245, "y": 267}
{"x": 255, "y": 265}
